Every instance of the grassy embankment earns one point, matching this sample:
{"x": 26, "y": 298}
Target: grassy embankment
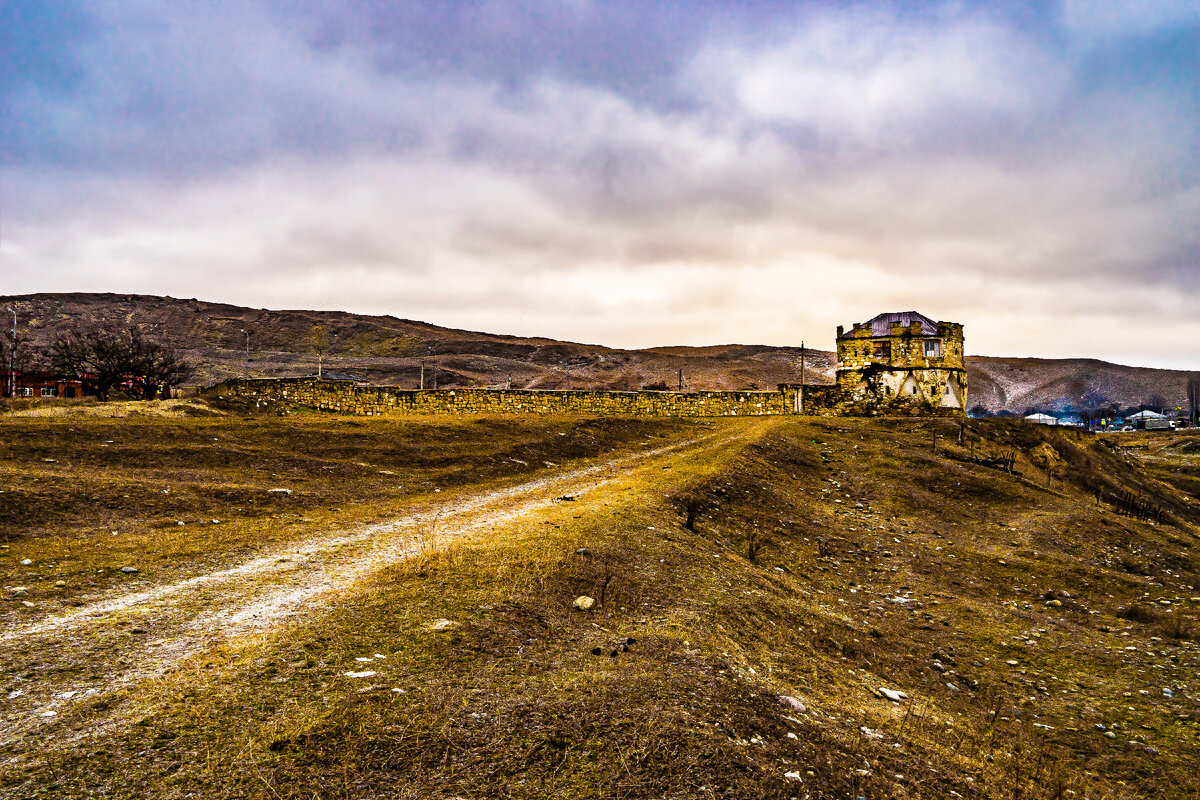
{"x": 832, "y": 558}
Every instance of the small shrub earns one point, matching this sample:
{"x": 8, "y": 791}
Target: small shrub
{"x": 1139, "y": 613}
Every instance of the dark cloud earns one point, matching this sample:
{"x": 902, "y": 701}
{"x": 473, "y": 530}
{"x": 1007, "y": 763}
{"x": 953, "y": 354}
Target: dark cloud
{"x": 600, "y": 170}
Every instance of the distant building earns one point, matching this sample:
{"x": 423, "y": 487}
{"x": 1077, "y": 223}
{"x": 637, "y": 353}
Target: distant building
{"x": 1041, "y": 419}
{"x": 1151, "y": 421}
{"x": 47, "y": 385}
{"x": 904, "y": 363}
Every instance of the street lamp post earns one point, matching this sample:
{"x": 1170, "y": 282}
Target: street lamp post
{"x": 246, "y": 372}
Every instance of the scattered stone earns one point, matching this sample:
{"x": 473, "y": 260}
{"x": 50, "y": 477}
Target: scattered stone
{"x": 28, "y": 604}
{"x": 279, "y": 491}
{"x": 18, "y": 591}
{"x": 793, "y": 703}
{"x": 442, "y": 625}
{"x": 46, "y": 714}
{"x": 130, "y": 570}
{"x": 792, "y": 776}
{"x": 214, "y": 522}
{"x": 583, "y": 602}
{"x": 870, "y": 734}
{"x": 892, "y": 694}
{"x": 1109, "y": 735}
{"x": 60, "y": 584}
{"x": 1055, "y": 603}
{"x": 25, "y": 562}
{"x": 365, "y": 674}
{"x": 583, "y": 551}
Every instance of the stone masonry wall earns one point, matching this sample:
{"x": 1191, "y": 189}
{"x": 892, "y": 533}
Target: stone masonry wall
{"x": 906, "y": 346}
{"x": 348, "y": 398}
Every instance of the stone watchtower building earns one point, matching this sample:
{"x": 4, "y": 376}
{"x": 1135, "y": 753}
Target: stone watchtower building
{"x": 902, "y": 363}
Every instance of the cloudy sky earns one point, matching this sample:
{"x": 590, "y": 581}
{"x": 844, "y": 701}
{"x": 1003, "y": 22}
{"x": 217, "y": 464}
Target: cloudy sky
{"x": 632, "y": 174}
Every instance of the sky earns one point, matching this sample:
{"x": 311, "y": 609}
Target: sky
{"x": 628, "y": 174}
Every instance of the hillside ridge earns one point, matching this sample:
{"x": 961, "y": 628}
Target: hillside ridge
{"x": 385, "y": 349}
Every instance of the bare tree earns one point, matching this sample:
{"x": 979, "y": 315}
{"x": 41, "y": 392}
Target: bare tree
{"x": 105, "y": 356}
{"x": 156, "y": 368}
{"x": 1155, "y": 402}
{"x": 1193, "y": 397}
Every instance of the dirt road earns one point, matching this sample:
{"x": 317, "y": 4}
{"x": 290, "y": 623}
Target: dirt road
{"x": 113, "y": 643}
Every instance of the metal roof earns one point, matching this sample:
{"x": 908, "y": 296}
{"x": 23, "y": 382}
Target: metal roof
{"x": 882, "y": 324}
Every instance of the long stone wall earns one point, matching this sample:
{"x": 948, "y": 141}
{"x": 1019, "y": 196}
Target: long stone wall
{"x": 348, "y": 398}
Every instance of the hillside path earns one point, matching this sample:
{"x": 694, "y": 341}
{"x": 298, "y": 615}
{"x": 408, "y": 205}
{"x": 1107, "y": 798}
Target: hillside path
{"x": 111, "y": 644}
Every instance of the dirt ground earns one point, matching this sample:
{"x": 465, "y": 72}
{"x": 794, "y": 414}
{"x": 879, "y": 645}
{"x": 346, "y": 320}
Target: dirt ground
{"x": 227, "y": 605}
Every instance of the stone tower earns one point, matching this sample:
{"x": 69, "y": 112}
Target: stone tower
{"x": 902, "y": 363}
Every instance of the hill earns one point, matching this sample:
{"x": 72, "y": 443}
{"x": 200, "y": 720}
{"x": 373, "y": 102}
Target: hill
{"x": 388, "y": 350}
{"x": 248, "y": 605}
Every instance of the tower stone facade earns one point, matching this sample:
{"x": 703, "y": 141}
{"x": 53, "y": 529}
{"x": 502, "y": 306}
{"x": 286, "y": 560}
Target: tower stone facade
{"x": 902, "y": 363}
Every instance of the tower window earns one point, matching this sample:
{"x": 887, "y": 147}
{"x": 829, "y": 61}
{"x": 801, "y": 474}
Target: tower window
{"x": 882, "y": 351}
{"x": 933, "y": 349}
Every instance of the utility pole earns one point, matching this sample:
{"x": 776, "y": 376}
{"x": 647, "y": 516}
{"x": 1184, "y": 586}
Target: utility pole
{"x": 422, "y": 384}
{"x": 681, "y": 380}
{"x": 800, "y": 390}
{"x": 12, "y": 358}
{"x": 246, "y": 372}
{"x": 435, "y": 375}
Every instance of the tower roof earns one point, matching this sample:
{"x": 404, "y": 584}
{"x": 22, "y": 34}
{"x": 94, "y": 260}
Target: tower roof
{"x": 881, "y": 325}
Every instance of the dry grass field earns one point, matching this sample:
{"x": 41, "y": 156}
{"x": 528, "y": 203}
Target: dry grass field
{"x": 385, "y": 608}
